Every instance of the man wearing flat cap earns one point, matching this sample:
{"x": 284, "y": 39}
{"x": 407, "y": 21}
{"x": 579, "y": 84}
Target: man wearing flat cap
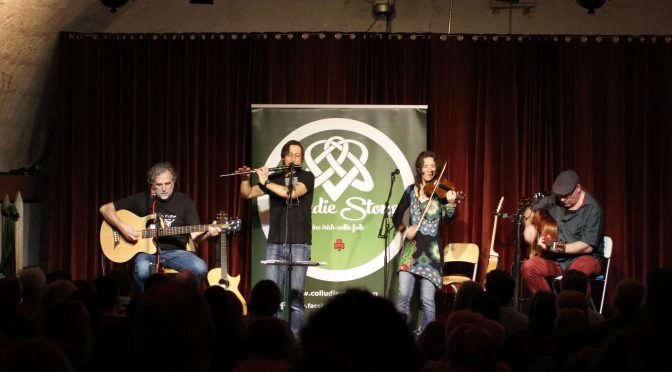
{"x": 580, "y": 232}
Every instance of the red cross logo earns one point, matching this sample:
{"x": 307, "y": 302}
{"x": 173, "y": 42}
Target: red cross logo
{"x": 339, "y": 245}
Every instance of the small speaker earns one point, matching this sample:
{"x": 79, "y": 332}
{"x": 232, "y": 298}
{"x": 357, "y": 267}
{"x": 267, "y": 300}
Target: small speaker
{"x": 202, "y": 1}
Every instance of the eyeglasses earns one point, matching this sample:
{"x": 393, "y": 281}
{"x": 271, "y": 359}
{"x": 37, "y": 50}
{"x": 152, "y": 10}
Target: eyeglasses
{"x": 570, "y": 194}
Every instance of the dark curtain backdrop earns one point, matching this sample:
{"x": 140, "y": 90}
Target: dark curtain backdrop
{"x": 507, "y": 113}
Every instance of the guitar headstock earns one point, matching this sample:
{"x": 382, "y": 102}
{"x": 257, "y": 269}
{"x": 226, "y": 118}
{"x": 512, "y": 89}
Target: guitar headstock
{"x": 499, "y": 206}
{"x": 526, "y": 202}
{"x": 228, "y": 224}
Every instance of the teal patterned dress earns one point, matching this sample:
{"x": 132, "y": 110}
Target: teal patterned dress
{"x": 423, "y": 256}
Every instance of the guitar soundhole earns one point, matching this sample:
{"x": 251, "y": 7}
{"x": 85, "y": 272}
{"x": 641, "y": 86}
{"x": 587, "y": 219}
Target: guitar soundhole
{"x": 224, "y": 283}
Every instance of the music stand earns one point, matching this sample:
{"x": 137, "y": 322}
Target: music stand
{"x": 288, "y": 281}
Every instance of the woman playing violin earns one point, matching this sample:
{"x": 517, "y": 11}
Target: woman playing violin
{"x": 422, "y": 256}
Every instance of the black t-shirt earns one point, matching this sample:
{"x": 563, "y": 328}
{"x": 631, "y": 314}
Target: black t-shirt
{"x": 178, "y": 210}
{"x": 300, "y": 220}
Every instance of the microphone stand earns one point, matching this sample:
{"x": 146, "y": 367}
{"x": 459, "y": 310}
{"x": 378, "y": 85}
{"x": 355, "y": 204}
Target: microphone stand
{"x": 290, "y": 258}
{"x": 517, "y": 219}
{"x": 384, "y": 232}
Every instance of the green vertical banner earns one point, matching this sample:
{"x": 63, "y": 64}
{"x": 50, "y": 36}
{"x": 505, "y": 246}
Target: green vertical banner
{"x": 352, "y": 151}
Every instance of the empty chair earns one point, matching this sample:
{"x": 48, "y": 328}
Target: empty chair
{"x": 460, "y": 263}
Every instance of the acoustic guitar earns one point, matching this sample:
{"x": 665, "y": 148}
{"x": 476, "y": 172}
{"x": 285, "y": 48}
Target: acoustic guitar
{"x": 493, "y": 261}
{"x": 547, "y": 229}
{"x": 220, "y": 276}
{"x": 118, "y": 250}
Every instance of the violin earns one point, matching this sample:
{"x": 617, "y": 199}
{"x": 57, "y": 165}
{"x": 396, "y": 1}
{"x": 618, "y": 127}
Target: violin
{"x": 440, "y": 187}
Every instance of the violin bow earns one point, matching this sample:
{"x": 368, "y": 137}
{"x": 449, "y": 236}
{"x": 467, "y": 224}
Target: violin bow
{"x": 422, "y": 217}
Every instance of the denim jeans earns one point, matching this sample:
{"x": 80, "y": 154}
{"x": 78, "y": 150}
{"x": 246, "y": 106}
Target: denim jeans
{"x": 427, "y": 292}
{"x": 278, "y": 273}
{"x": 178, "y": 259}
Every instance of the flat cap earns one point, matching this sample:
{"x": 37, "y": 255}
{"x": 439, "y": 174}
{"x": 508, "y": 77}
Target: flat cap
{"x": 565, "y": 182}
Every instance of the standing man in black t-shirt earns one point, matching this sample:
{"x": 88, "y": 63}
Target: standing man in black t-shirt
{"x": 174, "y": 209}
{"x": 287, "y": 231}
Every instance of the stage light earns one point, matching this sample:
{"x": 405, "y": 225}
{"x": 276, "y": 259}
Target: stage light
{"x": 591, "y": 5}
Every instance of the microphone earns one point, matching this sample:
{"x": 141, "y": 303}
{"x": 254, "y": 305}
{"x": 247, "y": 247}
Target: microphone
{"x": 395, "y": 171}
{"x": 502, "y": 215}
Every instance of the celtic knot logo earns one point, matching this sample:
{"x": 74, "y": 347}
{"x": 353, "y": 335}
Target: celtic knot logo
{"x": 337, "y": 155}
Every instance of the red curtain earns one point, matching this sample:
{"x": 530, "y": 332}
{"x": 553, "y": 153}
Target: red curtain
{"x": 506, "y": 112}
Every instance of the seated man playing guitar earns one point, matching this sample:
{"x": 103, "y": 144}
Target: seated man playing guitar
{"x": 565, "y": 230}
{"x": 172, "y": 209}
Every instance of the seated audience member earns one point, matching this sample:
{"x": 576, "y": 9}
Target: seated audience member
{"x": 627, "y": 304}
{"x": 465, "y": 292}
{"x": 431, "y": 342}
{"x": 265, "y": 299}
{"x": 34, "y": 282}
{"x": 578, "y": 281}
{"x": 472, "y": 344}
{"x": 357, "y": 331}
{"x": 37, "y": 354}
{"x": 227, "y": 315}
{"x": 173, "y": 329}
{"x": 271, "y": 346}
{"x": 502, "y": 285}
{"x": 486, "y": 304}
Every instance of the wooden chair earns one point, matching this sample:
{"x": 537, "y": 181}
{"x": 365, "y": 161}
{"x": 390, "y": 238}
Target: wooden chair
{"x": 460, "y": 263}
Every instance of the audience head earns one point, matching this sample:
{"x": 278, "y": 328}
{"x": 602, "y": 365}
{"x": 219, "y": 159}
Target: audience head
{"x": 225, "y": 306}
{"x": 486, "y": 304}
{"x": 659, "y": 282}
{"x": 570, "y": 299}
{"x": 188, "y": 278}
{"x": 629, "y": 297}
{"x": 467, "y": 316}
{"x": 58, "y": 275}
{"x": 265, "y": 298}
{"x": 574, "y": 280}
{"x": 472, "y": 341}
{"x": 470, "y": 347}
{"x": 37, "y": 354}
{"x": 432, "y": 340}
{"x": 123, "y": 281}
{"x": 10, "y": 291}
{"x": 55, "y": 292}
{"x": 107, "y": 290}
{"x": 34, "y": 282}
{"x": 154, "y": 279}
{"x": 542, "y": 312}
{"x": 465, "y": 292}
{"x": 270, "y": 338}
{"x": 357, "y": 331}
{"x": 501, "y": 284}
{"x": 170, "y": 314}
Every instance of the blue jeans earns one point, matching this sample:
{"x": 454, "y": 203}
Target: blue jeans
{"x": 278, "y": 273}
{"x": 427, "y": 292}
{"x": 179, "y": 260}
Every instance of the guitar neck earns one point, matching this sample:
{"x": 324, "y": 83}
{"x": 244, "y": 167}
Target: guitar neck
{"x": 492, "y": 239}
{"x": 168, "y": 231}
{"x": 222, "y": 256}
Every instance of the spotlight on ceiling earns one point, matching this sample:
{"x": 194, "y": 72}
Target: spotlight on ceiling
{"x": 383, "y": 8}
{"x": 114, "y": 4}
{"x": 591, "y": 5}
